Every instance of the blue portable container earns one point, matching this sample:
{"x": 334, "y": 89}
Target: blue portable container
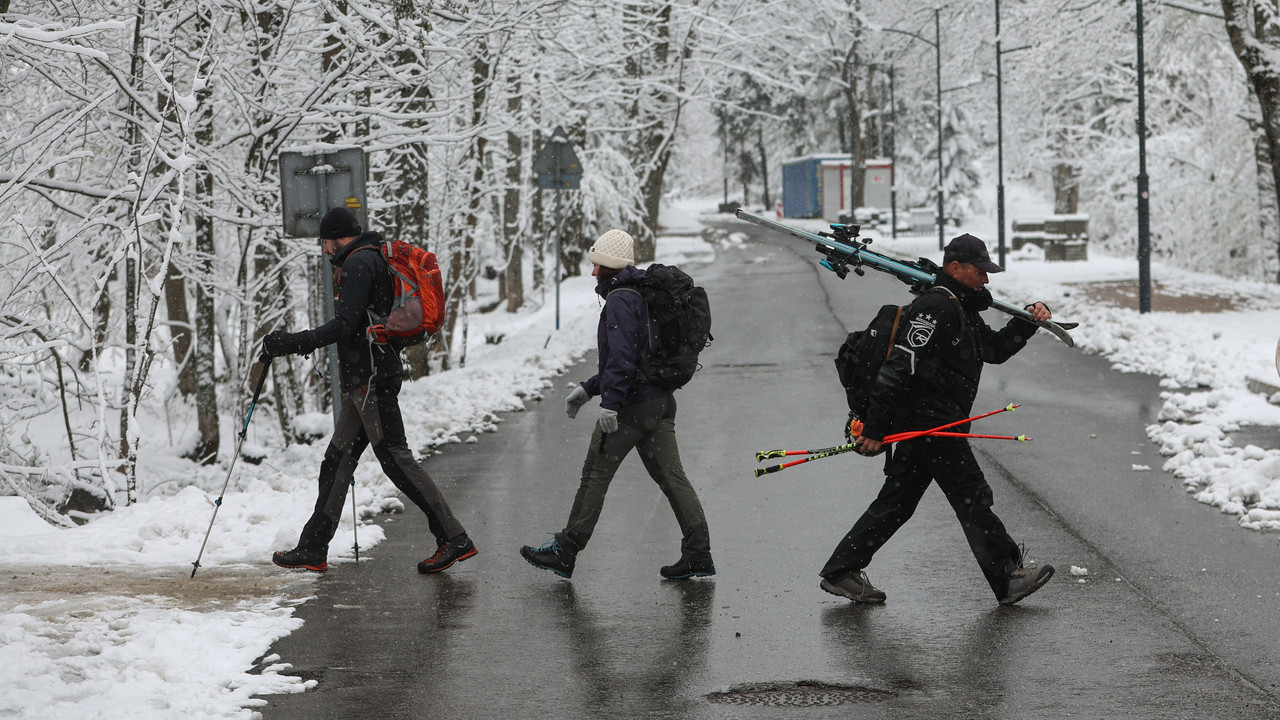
{"x": 803, "y": 191}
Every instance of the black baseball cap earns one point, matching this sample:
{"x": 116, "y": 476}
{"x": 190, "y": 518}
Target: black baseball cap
{"x": 968, "y": 249}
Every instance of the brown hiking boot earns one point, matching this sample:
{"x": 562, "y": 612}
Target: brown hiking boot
{"x": 448, "y": 553}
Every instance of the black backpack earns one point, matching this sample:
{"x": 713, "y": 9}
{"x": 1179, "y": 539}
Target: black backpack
{"x": 863, "y": 352}
{"x": 679, "y": 325}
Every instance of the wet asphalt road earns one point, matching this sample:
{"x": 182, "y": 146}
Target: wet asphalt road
{"x": 1147, "y": 634}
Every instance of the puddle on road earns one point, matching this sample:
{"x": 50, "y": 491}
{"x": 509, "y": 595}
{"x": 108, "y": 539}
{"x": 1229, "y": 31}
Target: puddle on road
{"x": 211, "y": 588}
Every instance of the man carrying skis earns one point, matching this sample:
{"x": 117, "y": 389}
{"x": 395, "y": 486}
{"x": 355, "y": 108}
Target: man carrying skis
{"x": 370, "y": 379}
{"x": 930, "y": 378}
{"x": 633, "y": 414}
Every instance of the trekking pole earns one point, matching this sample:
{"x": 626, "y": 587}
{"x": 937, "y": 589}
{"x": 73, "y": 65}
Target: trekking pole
{"x": 265, "y": 361}
{"x": 355, "y": 522}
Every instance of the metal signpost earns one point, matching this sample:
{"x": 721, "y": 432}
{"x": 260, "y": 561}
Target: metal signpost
{"x": 313, "y": 181}
{"x": 557, "y": 167}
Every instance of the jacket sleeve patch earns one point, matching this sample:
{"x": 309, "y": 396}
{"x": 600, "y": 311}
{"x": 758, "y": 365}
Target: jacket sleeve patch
{"x": 920, "y": 330}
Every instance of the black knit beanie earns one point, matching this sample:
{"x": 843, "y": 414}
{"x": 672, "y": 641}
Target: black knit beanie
{"x": 339, "y": 223}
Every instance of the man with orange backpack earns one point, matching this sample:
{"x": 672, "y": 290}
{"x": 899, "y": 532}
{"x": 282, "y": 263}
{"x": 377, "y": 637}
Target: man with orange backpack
{"x": 370, "y": 375}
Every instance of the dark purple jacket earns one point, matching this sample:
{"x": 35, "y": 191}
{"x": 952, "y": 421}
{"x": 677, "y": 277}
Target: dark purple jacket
{"x": 623, "y": 339}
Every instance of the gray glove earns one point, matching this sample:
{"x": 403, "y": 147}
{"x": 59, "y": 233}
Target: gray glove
{"x": 608, "y": 421}
{"x": 575, "y": 401}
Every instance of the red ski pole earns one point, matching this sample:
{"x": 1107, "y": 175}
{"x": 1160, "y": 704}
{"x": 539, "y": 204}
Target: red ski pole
{"x": 1019, "y": 438}
{"x": 899, "y": 437}
{"x": 841, "y": 449}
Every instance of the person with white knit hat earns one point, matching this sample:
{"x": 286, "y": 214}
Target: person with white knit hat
{"x": 633, "y": 414}
{"x": 614, "y": 250}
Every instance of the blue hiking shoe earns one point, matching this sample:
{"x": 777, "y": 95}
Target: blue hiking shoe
{"x": 553, "y": 556}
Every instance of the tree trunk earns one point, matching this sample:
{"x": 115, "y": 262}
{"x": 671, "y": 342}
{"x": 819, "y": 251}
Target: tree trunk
{"x": 128, "y": 445}
{"x": 1268, "y": 203}
{"x": 1066, "y": 189}
{"x": 573, "y": 244}
{"x": 856, "y": 147}
{"x": 539, "y": 226}
{"x": 652, "y": 152}
{"x": 462, "y": 264}
{"x": 764, "y": 167}
{"x": 1255, "y": 38}
{"x": 101, "y": 307}
{"x": 175, "y": 295}
{"x": 206, "y": 450}
{"x": 514, "y": 282}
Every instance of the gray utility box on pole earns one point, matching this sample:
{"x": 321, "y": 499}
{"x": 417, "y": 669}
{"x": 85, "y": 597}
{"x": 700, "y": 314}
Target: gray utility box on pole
{"x": 314, "y": 180}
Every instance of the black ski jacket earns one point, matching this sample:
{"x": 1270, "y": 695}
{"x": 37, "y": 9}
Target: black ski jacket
{"x": 931, "y": 376}
{"x": 365, "y": 288}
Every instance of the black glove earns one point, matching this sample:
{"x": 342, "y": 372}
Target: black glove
{"x": 281, "y": 343}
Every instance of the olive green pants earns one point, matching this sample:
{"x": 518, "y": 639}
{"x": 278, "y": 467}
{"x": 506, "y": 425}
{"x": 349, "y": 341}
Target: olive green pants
{"x": 650, "y": 428}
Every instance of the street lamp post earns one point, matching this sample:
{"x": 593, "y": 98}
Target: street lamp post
{"x": 1000, "y": 138}
{"x": 1144, "y": 205}
{"x": 999, "y": 146}
{"x": 893, "y": 157}
{"x": 937, "y": 46}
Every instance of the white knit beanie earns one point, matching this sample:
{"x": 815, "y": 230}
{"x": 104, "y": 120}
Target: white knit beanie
{"x": 612, "y": 250}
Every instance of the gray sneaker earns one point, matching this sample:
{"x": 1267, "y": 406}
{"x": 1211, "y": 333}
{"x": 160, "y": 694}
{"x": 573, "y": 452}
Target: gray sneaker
{"x": 854, "y": 586}
{"x": 1025, "y": 581}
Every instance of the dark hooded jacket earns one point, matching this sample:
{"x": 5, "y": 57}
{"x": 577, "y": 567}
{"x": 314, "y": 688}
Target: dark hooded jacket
{"x": 365, "y": 290}
{"x": 622, "y": 338}
{"x": 931, "y": 376}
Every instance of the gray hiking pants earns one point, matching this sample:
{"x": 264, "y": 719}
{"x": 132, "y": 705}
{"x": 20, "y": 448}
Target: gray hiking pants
{"x": 650, "y": 428}
{"x": 364, "y": 419}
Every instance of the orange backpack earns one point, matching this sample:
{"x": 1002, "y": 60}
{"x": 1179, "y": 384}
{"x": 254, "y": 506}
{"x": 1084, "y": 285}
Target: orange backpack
{"x": 418, "y": 309}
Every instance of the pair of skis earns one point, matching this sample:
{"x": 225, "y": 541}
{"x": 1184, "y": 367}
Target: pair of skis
{"x": 844, "y": 251}
{"x": 940, "y": 431}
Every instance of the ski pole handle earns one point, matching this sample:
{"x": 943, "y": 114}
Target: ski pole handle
{"x": 829, "y": 452}
{"x": 762, "y": 455}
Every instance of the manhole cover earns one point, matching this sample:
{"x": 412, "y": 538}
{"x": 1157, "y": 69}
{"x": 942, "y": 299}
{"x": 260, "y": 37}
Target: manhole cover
{"x": 804, "y": 693}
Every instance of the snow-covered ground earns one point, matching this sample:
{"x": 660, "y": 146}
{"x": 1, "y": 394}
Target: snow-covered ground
{"x": 104, "y": 621}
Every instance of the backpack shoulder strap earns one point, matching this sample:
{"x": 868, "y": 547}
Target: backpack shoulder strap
{"x": 625, "y": 288}
{"x": 964, "y": 321}
{"x": 893, "y": 334}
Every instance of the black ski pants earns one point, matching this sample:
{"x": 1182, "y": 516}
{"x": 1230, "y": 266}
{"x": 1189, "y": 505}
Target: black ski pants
{"x": 650, "y": 428}
{"x": 371, "y": 414}
{"x": 909, "y": 469}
